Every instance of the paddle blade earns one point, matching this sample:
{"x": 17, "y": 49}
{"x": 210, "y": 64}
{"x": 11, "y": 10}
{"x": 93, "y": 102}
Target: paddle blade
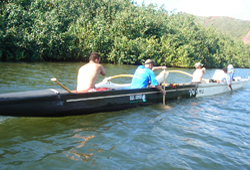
{"x": 53, "y": 79}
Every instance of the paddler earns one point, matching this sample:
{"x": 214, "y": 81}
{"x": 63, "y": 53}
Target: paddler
{"x": 88, "y": 74}
{"x": 144, "y": 74}
{"x": 198, "y": 73}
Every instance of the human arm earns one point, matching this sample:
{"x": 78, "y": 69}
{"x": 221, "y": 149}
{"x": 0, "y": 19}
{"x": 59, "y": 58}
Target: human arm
{"x": 155, "y": 83}
{"x": 102, "y": 70}
{"x": 159, "y": 67}
{"x": 203, "y": 69}
{"x": 160, "y": 89}
{"x": 201, "y": 77}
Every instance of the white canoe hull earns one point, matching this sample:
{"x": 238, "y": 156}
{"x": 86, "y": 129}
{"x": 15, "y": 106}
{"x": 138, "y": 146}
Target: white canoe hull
{"x": 211, "y": 89}
{"x": 200, "y": 90}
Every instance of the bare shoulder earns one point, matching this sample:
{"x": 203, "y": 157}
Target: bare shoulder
{"x": 99, "y": 65}
{"x": 88, "y": 66}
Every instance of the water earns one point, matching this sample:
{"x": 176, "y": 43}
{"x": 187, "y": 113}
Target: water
{"x": 198, "y": 133}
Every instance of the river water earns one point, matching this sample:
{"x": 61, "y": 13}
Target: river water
{"x": 199, "y": 133}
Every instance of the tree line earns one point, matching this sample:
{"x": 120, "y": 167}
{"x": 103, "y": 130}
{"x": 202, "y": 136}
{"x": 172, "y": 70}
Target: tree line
{"x": 120, "y": 30}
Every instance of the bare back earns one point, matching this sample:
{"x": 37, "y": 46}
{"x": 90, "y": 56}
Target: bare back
{"x": 87, "y": 75}
{"x": 197, "y": 75}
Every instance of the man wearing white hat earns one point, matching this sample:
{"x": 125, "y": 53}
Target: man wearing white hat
{"x": 198, "y": 73}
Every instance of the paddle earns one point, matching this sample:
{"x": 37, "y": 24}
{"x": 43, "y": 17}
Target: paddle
{"x": 55, "y": 80}
{"x": 164, "y": 86}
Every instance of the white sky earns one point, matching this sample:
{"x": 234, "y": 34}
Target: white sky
{"x": 239, "y": 9}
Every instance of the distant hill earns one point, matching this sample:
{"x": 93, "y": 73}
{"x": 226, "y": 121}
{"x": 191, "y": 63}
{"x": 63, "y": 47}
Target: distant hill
{"x": 235, "y": 28}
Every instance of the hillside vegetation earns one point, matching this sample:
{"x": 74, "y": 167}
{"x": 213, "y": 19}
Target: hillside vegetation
{"x": 124, "y": 33}
{"x": 235, "y": 28}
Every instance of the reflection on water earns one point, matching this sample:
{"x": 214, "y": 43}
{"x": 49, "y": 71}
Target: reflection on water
{"x": 198, "y": 133}
{"x": 73, "y": 154}
{"x": 82, "y": 142}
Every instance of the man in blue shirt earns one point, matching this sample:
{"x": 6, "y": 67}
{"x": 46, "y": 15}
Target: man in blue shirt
{"x": 144, "y": 74}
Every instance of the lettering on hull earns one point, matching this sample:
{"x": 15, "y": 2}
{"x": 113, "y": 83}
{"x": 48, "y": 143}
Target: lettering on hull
{"x": 195, "y": 92}
{"x": 201, "y": 91}
{"x": 138, "y": 98}
{"x": 192, "y": 92}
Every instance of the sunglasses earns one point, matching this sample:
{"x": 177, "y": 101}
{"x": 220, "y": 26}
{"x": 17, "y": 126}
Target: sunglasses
{"x": 150, "y": 63}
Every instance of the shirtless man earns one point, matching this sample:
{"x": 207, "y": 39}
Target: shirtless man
{"x": 88, "y": 74}
{"x": 198, "y": 73}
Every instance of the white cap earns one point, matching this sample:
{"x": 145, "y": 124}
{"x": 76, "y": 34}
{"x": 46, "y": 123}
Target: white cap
{"x": 230, "y": 66}
{"x": 198, "y": 65}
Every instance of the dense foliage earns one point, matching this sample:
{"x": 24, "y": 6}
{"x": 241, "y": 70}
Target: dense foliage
{"x": 62, "y": 30}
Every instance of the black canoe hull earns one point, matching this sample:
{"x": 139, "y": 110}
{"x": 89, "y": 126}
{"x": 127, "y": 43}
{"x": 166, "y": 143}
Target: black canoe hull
{"x": 55, "y": 103}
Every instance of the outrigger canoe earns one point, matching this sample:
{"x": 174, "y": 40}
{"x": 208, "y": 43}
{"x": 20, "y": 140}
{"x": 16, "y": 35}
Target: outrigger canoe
{"x": 63, "y": 102}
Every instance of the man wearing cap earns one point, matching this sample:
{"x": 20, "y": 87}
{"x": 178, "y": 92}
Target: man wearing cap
{"x": 144, "y": 74}
{"x": 198, "y": 73}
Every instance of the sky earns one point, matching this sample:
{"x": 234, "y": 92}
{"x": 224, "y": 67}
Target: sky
{"x": 239, "y": 9}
